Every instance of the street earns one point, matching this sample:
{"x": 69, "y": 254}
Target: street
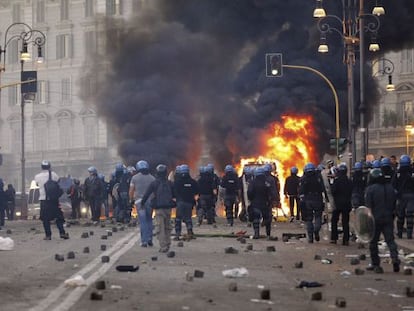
{"x": 192, "y": 277}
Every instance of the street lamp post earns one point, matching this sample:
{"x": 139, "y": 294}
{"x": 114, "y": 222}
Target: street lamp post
{"x": 351, "y": 27}
{"x": 26, "y": 35}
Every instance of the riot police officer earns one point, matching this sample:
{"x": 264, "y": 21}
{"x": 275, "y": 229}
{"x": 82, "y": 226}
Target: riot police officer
{"x": 291, "y": 192}
{"x": 311, "y": 189}
{"x": 208, "y": 192}
{"x": 359, "y": 184}
{"x": 230, "y": 183}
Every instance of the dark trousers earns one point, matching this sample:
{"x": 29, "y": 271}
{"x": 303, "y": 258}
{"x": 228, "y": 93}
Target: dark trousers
{"x": 183, "y": 214}
{"x": 345, "y": 224}
{"x": 292, "y": 200}
{"x": 95, "y": 205}
{"x": 387, "y": 229}
{"x": 10, "y": 210}
{"x": 405, "y": 213}
{"x": 76, "y": 212}
{"x": 47, "y": 216}
{"x": 2, "y": 215}
{"x": 59, "y": 225}
{"x": 231, "y": 209}
{"x": 206, "y": 208}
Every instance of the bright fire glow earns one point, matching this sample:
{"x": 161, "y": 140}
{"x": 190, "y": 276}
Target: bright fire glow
{"x": 288, "y": 143}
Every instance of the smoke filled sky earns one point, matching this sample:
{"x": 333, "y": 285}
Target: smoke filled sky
{"x": 187, "y": 69}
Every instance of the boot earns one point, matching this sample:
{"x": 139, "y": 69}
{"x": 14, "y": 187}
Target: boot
{"x": 256, "y": 234}
{"x": 190, "y": 234}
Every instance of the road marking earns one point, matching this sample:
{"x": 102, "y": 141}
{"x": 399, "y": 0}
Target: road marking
{"x": 117, "y": 250}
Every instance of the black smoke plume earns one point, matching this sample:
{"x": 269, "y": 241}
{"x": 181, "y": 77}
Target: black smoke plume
{"x": 187, "y": 69}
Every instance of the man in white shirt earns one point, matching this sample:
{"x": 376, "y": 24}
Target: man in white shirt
{"x": 49, "y": 210}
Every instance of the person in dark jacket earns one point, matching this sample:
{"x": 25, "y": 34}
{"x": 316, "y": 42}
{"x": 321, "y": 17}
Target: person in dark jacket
{"x": 259, "y": 194}
{"x": 11, "y": 201}
{"x": 3, "y": 203}
{"x": 341, "y": 191}
{"x": 291, "y": 192}
{"x": 75, "y": 195}
{"x": 311, "y": 190}
{"x": 186, "y": 190}
{"x": 161, "y": 206}
{"x": 230, "y": 182}
{"x": 359, "y": 184}
{"x": 208, "y": 194}
{"x": 380, "y": 198}
{"x": 93, "y": 189}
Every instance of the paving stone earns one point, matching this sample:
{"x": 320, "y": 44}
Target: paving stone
{"x": 362, "y": 257}
{"x": 180, "y": 244}
{"x": 359, "y": 271}
{"x": 408, "y": 271}
{"x": 100, "y": 284}
{"x": 171, "y": 254}
{"x": 59, "y": 257}
{"x": 270, "y": 249}
{"x": 198, "y": 273}
{"x": 233, "y": 287}
{"x": 104, "y": 237}
{"x": 340, "y": 302}
{"x": 85, "y": 235}
{"x": 265, "y": 294}
{"x": 299, "y": 265}
{"x": 355, "y": 261}
{"x": 91, "y": 233}
{"x": 316, "y": 296}
{"x": 105, "y": 259}
{"x": 230, "y": 250}
{"x": 103, "y": 247}
{"x": 96, "y": 296}
{"x": 249, "y": 247}
{"x": 71, "y": 255}
{"x": 86, "y": 250}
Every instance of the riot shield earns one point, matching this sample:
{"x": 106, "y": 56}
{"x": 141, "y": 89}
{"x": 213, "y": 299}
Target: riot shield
{"x": 363, "y": 223}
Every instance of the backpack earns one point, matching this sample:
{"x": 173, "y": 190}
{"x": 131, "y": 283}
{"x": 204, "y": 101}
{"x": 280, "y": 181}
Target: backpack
{"x": 52, "y": 189}
{"x": 163, "y": 195}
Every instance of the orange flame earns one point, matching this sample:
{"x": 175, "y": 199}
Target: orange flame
{"x": 287, "y": 144}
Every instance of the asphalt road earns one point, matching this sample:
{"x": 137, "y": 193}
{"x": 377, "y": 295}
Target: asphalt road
{"x": 32, "y": 279}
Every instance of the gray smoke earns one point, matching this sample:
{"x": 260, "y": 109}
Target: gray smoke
{"x": 187, "y": 68}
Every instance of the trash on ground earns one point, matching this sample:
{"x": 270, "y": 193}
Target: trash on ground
{"x": 6, "y": 244}
{"x": 345, "y": 273}
{"x": 235, "y": 273}
{"x": 263, "y": 301}
{"x": 127, "y": 268}
{"x": 309, "y": 284}
{"x": 76, "y": 281}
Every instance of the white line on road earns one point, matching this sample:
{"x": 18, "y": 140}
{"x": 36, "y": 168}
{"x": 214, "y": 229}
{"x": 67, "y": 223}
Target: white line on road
{"x": 117, "y": 250}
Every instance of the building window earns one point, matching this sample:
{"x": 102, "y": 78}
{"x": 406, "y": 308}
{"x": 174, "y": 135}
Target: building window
{"x": 65, "y": 136}
{"x": 89, "y": 8}
{"x": 13, "y": 95}
{"x": 90, "y": 44}
{"x": 64, "y": 46}
{"x": 42, "y": 92}
{"x": 40, "y": 11}
{"x": 66, "y": 91}
{"x": 64, "y": 10}
{"x": 408, "y": 112}
{"x": 40, "y": 135}
{"x": 16, "y": 13}
{"x": 90, "y": 126}
{"x": 407, "y": 61}
{"x": 113, "y": 7}
{"x": 12, "y": 52}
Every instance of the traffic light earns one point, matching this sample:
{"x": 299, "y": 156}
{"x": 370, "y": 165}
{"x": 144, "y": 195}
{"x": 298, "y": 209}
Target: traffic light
{"x": 342, "y": 143}
{"x": 274, "y": 65}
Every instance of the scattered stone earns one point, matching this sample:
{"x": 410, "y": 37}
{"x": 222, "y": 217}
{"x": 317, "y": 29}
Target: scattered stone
{"x": 297, "y": 236}
{"x": 355, "y": 261}
{"x": 408, "y": 271}
{"x": 180, "y": 244}
{"x": 378, "y": 270}
{"x": 109, "y": 233}
{"x": 198, "y": 273}
{"x": 104, "y": 237}
{"x": 317, "y": 257}
{"x": 103, "y": 225}
{"x": 127, "y": 268}
{"x": 122, "y": 228}
{"x": 299, "y": 265}
{"x": 230, "y": 250}
{"x": 316, "y": 296}
{"x": 265, "y": 294}
{"x": 103, "y": 247}
{"x": 8, "y": 231}
{"x": 233, "y": 287}
{"x": 359, "y": 271}
{"x": 408, "y": 292}
{"x": 189, "y": 277}
{"x": 105, "y": 259}
{"x": 68, "y": 224}
{"x": 273, "y": 238}
{"x": 91, "y": 233}
{"x": 270, "y": 249}
{"x": 361, "y": 246}
{"x": 101, "y": 285}
{"x": 249, "y": 247}
{"x": 171, "y": 254}
{"x": 59, "y": 257}
{"x": 340, "y": 302}
{"x": 96, "y": 296}
{"x": 154, "y": 258}
{"x": 71, "y": 255}
{"x": 85, "y": 235}
{"x": 114, "y": 229}
{"x": 86, "y": 250}
{"x": 242, "y": 240}
{"x": 285, "y": 238}
{"x": 362, "y": 257}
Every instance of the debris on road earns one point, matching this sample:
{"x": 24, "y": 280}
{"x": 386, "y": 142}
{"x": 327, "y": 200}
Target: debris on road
{"x": 235, "y": 273}
{"x": 6, "y": 244}
{"x": 100, "y": 284}
{"x": 198, "y": 273}
{"x": 270, "y": 249}
{"x": 317, "y": 296}
{"x": 233, "y": 287}
{"x": 59, "y": 257}
{"x": 76, "y": 281}
{"x": 127, "y": 268}
{"x": 340, "y": 302}
{"x": 299, "y": 265}
{"x": 326, "y": 261}
{"x": 105, "y": 259}
{"x": 86, "y": 250}
{"x": 303, "y": 284}
{"x": 96, "y": 296}
{"x": 71, "y": 255}
{"x": 230, "y": 250}
{"x": 265, "y": 294}
{"x": 85, "y": 235}
{"x": 103, "y": 247}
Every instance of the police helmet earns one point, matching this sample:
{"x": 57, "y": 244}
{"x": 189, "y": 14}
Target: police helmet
{"x": 228, "y": 168}
{"x": 184, "y": 169}
{"x": 101, "y": 176}
{"x": 375, "y": 174}
{"x": 119, "y": 167}
{"x": 202, "y": 169}
{"x": 309, "y": 167}
{"x": 320, "y": 167}
{"x": 210, "y": 168}
{"x": 342, "y": 167}
{"x": 385, "y": 162}
{"x": 405, "y": 161}
{"x": 142, "y": 165}
{"x": 260, "y": 170}
{"x": 45, "y": 165}
{"x": 131, "y": 169}
{"x": 357, "y": 166}
{"x": 92, "y": 169}
{"x": 376, "y": 164}
{"x": 294, "y": 170}
{"x": 268, "y": 167}
{"x": 161, "y": 169}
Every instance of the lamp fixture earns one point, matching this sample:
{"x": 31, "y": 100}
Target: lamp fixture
{"x": 378, "y": 9}
{"x": 24, "y": 55}
{"x": 374, "y": 46}
{"x": 390, "y": 86}
{"x": 39, "y": 55}
{"x": 319, "y": 11}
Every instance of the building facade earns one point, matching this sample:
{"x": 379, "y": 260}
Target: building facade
{"x": 60, "y": 124}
